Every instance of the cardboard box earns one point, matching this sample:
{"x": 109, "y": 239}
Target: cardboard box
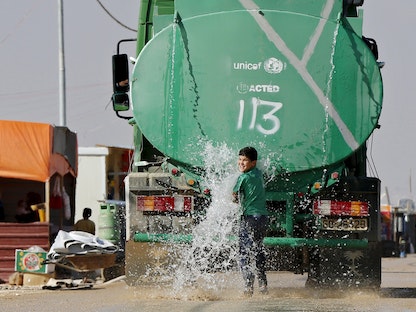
{"x": 35, "y": 279}
{"x": 32, "y": 262}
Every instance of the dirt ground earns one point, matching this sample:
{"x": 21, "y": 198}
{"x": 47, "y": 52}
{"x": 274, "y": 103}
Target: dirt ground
{"x": 286, "y": 293}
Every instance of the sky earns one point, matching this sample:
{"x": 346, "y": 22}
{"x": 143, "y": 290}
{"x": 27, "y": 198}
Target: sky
{"x": 29, "y": 75}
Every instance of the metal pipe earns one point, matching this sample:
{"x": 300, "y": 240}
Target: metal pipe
{"x": 62, "y": 91}
{"x": 268, "y": 241}
{"x": 312, "y": 242}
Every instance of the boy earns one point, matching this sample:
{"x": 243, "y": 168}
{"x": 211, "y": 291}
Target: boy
{"x": 249, "y": 192}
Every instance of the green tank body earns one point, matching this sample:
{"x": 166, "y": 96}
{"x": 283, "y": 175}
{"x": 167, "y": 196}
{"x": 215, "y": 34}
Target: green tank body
{"x": 293, "y": 75}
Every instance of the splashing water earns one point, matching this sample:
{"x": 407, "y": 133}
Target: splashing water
{"x": 328, "y": 93}
{"x": 214, "y": 246}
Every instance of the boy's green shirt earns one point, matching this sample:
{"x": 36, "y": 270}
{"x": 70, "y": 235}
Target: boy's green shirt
{"x": 252, "y": 196}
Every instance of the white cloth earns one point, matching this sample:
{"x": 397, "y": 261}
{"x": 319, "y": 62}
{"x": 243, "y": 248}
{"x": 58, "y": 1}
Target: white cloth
{"x": 78, "y": 243}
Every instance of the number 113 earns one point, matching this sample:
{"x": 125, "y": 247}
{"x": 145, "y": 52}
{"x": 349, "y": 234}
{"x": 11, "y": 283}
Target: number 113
{"x": 256, "y": 102}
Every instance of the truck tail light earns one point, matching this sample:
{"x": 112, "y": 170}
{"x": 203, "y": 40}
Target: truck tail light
{"x": 162, "y": 203}
{"x": 341, "y": 208}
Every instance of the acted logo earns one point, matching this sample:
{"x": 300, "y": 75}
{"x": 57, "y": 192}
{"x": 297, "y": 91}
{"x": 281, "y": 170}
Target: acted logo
{"x": 243, "y": 88}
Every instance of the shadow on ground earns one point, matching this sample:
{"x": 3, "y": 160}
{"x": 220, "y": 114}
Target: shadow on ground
{"x": 398, "y": 292}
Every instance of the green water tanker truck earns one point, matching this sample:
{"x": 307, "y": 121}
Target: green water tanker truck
{"x": 294, "y": 78}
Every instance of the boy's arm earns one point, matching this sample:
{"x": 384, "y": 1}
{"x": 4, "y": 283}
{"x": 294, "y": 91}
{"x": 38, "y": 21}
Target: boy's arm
{"x": 235, "y": 197}
{"x": 236, "y": 190}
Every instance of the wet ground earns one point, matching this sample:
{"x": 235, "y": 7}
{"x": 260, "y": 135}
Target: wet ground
{"x": 286, "y": 293}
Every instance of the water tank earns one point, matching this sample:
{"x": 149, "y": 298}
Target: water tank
{"x": 294, "y": 80}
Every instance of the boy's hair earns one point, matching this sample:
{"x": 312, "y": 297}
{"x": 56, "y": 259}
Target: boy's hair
{"x": 249, "y": 152}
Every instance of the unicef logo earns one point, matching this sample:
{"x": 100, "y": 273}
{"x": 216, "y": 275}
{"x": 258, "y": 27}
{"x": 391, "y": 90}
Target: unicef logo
{"x": 273, "y": 66}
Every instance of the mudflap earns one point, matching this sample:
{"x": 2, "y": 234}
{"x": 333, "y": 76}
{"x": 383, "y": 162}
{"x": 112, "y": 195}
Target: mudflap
{"x": 345, "y": 268}
{"x": 149, "y": 263}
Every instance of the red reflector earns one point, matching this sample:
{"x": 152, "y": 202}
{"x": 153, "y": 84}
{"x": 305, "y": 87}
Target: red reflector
{"x": 175, "y": 171}
{"x": 334, "y": 175}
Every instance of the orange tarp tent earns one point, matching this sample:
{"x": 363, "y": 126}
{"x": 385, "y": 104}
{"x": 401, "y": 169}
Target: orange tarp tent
{"x": 36, "y": 151}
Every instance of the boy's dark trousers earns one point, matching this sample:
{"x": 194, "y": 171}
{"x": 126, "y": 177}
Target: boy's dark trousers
{"x": 251, "y": 234}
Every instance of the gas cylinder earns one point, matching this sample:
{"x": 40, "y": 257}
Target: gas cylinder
{"x": 106, "y": 223}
